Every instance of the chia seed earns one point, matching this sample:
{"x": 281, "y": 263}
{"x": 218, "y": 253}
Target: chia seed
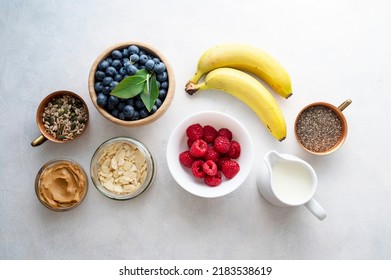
{"x": 318, "y": 128}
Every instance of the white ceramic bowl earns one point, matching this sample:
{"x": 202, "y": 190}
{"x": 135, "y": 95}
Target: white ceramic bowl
{"x": 177, "y": 143}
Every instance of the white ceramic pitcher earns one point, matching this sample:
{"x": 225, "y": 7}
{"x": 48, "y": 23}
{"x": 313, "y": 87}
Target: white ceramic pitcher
{"x": 289, "y": 181}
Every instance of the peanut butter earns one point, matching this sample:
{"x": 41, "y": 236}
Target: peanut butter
{"x": 62, "y": 185}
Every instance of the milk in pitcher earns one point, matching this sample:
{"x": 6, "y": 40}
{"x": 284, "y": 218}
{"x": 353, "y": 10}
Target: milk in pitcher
{"x": 291, "y": 183}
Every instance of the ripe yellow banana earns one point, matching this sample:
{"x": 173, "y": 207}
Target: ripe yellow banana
{"x": 250, "y": 91}
{"x": 246, "y": 58}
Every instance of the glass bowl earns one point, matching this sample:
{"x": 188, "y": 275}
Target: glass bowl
{"x": 122, "y": 168}
{"x": 61, "y": 184}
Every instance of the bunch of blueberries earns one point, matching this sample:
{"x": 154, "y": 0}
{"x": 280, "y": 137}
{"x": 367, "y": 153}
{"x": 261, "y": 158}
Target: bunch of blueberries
{"x": 119, "y": 65}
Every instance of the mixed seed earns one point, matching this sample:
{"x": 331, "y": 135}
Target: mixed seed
{"x": 319, "y": 128}
{"x": 65, "y": 117}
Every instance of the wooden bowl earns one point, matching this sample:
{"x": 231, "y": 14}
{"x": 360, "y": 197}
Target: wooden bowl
{"x": 165, "y": 104}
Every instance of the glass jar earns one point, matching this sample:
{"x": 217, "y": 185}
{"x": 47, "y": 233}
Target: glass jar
{"x": 108, "y": 152}
{"x": 61, "y": 184}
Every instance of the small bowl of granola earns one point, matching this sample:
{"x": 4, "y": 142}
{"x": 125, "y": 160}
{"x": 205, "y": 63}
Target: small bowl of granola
{"x": 122, "y": 168}
{"x": 61, "y": 117}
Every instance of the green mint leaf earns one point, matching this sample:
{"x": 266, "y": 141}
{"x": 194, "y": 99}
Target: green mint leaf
{"x": 130, "y": 86}
{"x": 146, "y": 87}
{"x": 143, "y": 73}
{"x": 150, "y": 92}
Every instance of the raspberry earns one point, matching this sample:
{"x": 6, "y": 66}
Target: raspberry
{"x": 225, "y": 132}
{"x": 199, "y": 148}
{"x": 196, "y": 169}
{"x": 213, "y": 181}
{"x": 210, "y": 133}
{"x": 230, "y": 168}
{"x": 209, "y": 167}
{"x": 195, "y": 131}
{"x": 189, "y": 143}
{"x": 234, "y": 150}
{"x": 222, "y": 144}
{"x": 221, "y": 161}
{"x": 186, "y": 159}
{"x": 212, "y": 155}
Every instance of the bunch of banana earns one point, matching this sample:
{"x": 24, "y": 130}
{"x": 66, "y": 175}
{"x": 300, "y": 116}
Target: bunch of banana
{"x": 224, "y": 66}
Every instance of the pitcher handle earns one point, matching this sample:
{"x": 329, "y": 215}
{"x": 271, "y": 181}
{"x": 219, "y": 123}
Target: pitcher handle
{"x": 316, "y": 209}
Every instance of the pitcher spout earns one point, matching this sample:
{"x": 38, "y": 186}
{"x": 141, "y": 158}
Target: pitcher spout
{"x": 272, "y": 157}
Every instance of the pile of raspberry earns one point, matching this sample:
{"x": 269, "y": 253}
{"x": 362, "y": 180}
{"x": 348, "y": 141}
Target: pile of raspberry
{"x": 211, "y": 153}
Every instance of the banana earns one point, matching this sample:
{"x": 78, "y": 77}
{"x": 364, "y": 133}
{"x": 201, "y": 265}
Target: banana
{"x": 250, "y": 91}
{"x": 246, "y": 58}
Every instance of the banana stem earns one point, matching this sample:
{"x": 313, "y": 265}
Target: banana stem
{"x": 197, "y": 76}
{"x": 192, "y": 88}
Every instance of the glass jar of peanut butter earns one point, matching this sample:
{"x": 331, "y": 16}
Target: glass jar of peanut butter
{"x": 61, "y": 185}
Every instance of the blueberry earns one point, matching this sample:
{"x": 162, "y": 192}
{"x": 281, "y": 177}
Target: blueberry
{"x": 113, "y": 100}
{"x": 144, "y": 113}
{"x": 131, "y": 69}
{"x": 134, "y": 58}
{"x": 159, "y": 68}
{"x": 116, "y": 54}
{"x": 164, "y": 85}
{"x": 101, "y": 100}
{"x": 111, "y": 71}
{"x": 116, "y": 64}
{"x": 100, "y": 75}
{"x": 107, "y": 81}
{"x": 110, "y": 106}
{"x": 106, "y": 90}
{"x": 115, "y": 113}
{"x": 133, "y": 49}
{"x": 149, "y": 64}
{"x": 136, "y": 116}
{"x": 125, "y": 52}
{"x": 143, "y": 59}
{"x": 118, "y": 78}
{"x": 162, "y": 77}
{"x": 128, "y": 111}
{"x": 98, "y": 87}
{"x": 154, "y": 109}
{"x": 158, "y": 103}
{"x": 113, "y": 84}
{"x": 156, "y": 60}
{"x": 121, "y": 116}
{"x": 103, "y": 65}
{"x": 129, "y": 101}
{"x": 109, "y": 60}
{"x": 121, "y": 106}
{"x": 162, "y": 94}
{"x": 122, "y": 71}
{"x": 127, "y": 64}
{"x": 124, "y": 60}
{"x": 139, "y": 104}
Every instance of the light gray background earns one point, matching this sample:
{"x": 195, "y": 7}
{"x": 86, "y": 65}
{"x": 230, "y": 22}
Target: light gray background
{"x": 334, "y": 50}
